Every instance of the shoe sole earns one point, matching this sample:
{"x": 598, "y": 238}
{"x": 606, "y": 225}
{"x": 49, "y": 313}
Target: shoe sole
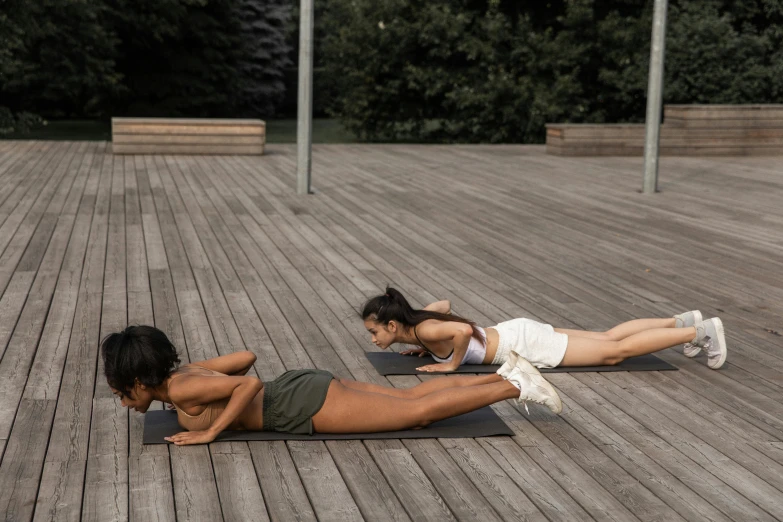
{"x": 544, "y": 384}
{"x": 721, "y": 342}
{"x": 697, "y": 318}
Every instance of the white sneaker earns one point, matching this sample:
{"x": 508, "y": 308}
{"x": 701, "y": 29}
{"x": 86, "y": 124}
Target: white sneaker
{"x": 685, "y": 320}
{"x": 710, "y": 337}
{"x": 509, "y": 365}
{"x": 533, "y": 387}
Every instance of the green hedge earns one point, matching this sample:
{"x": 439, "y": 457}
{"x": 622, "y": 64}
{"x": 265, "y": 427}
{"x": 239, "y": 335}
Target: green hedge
{"x": 497, "y": 71}
{"x": 79, "y": 59}
{"x": 429, "y": 71}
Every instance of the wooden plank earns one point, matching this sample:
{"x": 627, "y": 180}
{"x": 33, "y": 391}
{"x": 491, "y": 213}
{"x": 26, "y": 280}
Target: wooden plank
{"x": 107, "y": 463}
{"x": 64, "y": 470}
{"x": 373, "y": 495}
{"x": 106, "y": 479}
{"x": 18, "y": 357}
{"x": 45, "y": 374}
{"x": 300, "y": 298}
{"x": 290, "y": 353}
{"x": 739, "y": 478}
{"x": 195, "y": 487}
{"x": 19, "y": 224}
{"x": 740, "y": 124}
{"x": 721, "y": 437}
{"x": 19, "y": 481}
{"x": 750, "y": 111}
{"x": 153, "y": 499}
{"x": 464, "y": 498}
{"x": 283, "y": 490}
{"x": 11, "y": 155}
{"x": 182, "y": 139}
{"x": 188, "y": 121}
{"x": 416, "y": 493}
{"x": 120, "y": 148}
{"x": 326, "y": 490}
{"x": 684, "y": 489}
{"x": 151, "y": 493}
{"x": 635, "y": 496}
{"x": 19, "y": 168}
{"x": 223, "y": 328}
{"x": 669, "y": 135}
{"x": 570, "y": 477}
{"x": 534, "y": 483}
{"x": 240, "y": 492}
{"x": 669, "y": 150}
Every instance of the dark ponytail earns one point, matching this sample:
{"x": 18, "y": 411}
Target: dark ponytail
{"x": 392, "y": 306}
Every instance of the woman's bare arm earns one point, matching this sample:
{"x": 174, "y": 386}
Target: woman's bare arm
{"x": 237, "y": 363}
{"x": 196, "y": 390}
{"x": 458, "y": 333}
{"x": 442, "y": 307}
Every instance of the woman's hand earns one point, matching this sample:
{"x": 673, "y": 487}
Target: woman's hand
{"x": 420, "y": 352}
{"x": 185, "y": 438}
{"x": 440, "y": 367}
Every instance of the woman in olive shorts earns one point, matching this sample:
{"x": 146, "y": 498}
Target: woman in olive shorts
{"x": 141, "y": 365}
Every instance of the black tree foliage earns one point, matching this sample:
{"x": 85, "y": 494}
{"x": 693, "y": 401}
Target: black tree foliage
{"x": 430, "y": 71}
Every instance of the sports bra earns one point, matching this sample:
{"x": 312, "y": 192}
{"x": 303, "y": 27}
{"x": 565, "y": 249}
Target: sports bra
{"x": 477, "y": 349}
{"x": 204, "y": 420}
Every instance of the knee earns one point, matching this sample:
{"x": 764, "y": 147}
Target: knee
{"x": 610, "y": 335}
{"x": 422, "y": 415}
{"x": 618, "y": 354}
{"x": 611, "y": 360}
{"x": 615, "y": 353}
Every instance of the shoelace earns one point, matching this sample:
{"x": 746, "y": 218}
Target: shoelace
{"x": 524, "y": 402}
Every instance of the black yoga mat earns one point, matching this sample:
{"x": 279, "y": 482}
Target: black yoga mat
{"x": 480, "y": 423}
{"x": 392, "y": 363}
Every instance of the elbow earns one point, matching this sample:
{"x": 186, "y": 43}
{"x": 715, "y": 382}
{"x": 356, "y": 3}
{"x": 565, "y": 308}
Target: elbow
{"x": 254, "y": 383}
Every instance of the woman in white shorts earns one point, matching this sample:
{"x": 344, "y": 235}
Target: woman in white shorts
{"x": 452, "y": 340}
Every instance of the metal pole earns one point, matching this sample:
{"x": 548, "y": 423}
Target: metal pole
{"x": 304, "y": 126}
{"x": 654, "y": 98}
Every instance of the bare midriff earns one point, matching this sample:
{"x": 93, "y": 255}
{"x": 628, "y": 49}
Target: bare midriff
{"x": 492, "y": 344}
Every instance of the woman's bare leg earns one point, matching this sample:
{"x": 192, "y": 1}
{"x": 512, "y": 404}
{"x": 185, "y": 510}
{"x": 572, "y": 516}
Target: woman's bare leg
{"x": 425, "y": 388}
{"x": 623, "y": 330}
{"x": 348, "y": 410}
{"x": 583, "y": 351}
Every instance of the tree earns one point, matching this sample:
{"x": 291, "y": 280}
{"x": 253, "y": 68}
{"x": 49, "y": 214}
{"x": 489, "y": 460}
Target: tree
{"x": 177, "y": 57}
{"x": 57, "y": 58}
{"x": 264, "y": 56}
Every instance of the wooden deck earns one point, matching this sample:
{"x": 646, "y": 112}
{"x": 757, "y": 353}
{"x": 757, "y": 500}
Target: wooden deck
{"x": 222, "y": 254}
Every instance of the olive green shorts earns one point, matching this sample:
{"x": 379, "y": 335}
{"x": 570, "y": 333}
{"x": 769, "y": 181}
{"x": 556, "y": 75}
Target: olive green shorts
{"x": 291, "y": 400}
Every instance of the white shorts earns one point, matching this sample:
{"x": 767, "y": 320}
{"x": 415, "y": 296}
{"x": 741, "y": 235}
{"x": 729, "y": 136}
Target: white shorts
{"x": 536, "y": 342}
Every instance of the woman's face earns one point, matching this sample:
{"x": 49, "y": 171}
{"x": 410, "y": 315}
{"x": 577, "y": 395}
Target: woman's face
{"x": 139, "y": 398}
{"x": 382, "y": 335}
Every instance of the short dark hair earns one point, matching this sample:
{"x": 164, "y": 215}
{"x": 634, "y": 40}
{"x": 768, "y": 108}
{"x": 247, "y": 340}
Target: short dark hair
{"x": 138, "y": 352}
